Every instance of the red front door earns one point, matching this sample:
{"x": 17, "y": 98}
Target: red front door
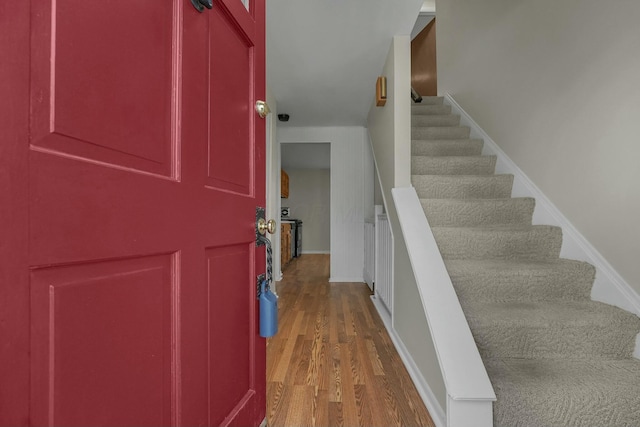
{"x": 131, "y": 166}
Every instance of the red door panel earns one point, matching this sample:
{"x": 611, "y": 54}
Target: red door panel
{"x": 230, "y": 339}
{"x": 133, "y": 162}
{"x": 101, "y": 343}
{"x": 231, "y": 62}
{"x": 102, "y": 81}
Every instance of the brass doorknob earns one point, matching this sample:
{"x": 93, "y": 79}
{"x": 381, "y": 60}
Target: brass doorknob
{"x": 266, "y": 226}
{"x": 262, "y": 109}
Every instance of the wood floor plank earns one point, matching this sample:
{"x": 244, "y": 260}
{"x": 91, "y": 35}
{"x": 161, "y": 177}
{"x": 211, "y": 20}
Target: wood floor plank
{"x": 299, "y": 408}
{"x": 300, "y": 368}
{"x": 285, "y": 358}
{"x": 373, "y": 357}
{"x": 333, "y": 363}
{"x": 277, "y": 403}
{"x": 335, "y": 385}
{"x": 349, "y": 404}
{"x": 320, "y": 409}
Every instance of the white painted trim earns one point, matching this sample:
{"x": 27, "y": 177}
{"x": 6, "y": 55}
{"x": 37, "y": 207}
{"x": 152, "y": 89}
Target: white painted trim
{"x": 609, "y": 287}
{"x": 278, "y": 276}
{"x": 347, "y": 279}
{"x": 264, "y": 422}
{"x": 383, "y": 311}
{"x": 315, "y": 252}
{"x": 463, "y": 371}
{"x": 469, "y": 413}
{"x": 636, "y": 352}
{"x": 433, "y": 406}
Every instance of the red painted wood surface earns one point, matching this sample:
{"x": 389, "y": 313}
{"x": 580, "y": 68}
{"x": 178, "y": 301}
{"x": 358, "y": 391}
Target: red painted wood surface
{"x": 131, "y": 164}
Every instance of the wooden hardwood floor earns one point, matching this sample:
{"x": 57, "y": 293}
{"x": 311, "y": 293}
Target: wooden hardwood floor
{"x": 332, "y": 362}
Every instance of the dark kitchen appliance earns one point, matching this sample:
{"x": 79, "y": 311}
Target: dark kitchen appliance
{"x": 296, "y": 236}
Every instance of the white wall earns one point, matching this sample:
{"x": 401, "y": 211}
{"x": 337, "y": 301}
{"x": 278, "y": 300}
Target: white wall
{"x": 310, "y": 201}
{"x": 390, "y": 133}
{"x": 370, "y": 180}
{"x": 272, "y": 210}
{"x": 556, "y": 86}
{"x": 347, "y": 188}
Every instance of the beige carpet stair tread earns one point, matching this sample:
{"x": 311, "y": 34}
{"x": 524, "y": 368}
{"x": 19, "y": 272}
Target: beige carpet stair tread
{"x": 462, "y": 186}
{"x": 537, "y": 242}
{"x": 435, "y": 120}
{"x": 478, "y": 212}
{"x": 554, "y": 393}
{"x": 429, "y": 109}
{"x": 577, "y": 329}
{"x": 447, "y": 147}
{"x": 517, "y": 280}
{"x": 428, "y": 100}
{"x": 440, "y": 132}
{"x": 453, "y": 165}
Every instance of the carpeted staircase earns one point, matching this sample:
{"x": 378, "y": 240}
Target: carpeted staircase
{"x": 554, "y": 357}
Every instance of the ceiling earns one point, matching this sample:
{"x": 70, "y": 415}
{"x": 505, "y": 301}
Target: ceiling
{"x": 323, "y": 56}
{"x": 306, "y": 156}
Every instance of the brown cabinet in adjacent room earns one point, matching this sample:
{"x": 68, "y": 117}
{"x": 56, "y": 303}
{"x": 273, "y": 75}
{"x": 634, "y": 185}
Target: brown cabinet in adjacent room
{"x": 284, "y": 184}
{"x": 285, "y": 243}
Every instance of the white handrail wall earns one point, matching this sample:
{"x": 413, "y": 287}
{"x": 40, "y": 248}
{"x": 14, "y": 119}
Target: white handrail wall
{"x": 469, "y": 391}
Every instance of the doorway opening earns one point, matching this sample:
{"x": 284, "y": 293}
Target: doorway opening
{"x": 306, "y": 209}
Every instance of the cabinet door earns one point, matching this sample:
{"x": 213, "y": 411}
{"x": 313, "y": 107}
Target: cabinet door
{"x": 284, "y": 184}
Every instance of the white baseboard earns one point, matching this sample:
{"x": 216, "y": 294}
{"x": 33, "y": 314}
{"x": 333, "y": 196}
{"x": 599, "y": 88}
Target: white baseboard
{"x": 315, "y": 252}
{"x": 383, "y": 312}
{"x": 435, "y": 409}
{"x": 609, "y": 287}
{"x": 347, "y": 279}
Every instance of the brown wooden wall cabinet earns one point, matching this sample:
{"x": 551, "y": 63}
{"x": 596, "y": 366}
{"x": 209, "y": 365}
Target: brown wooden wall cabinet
{"x": 285, "y": 243}
{"x": 284, "y": 184}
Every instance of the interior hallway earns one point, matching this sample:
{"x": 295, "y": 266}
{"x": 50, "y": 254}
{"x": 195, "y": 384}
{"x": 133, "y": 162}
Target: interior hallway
{"x": 332, "y": 362}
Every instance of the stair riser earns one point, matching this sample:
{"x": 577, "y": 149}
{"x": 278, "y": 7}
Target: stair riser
{"x": 429, "y": 100}
{"x": 462, "y": 187}
{"x": 469, "y": 147}
{"x": 505, "y": 287}
{"x": 455, "y": 165}
{"x": 537, "y": 243}
{"x": 474, "y": 213}
{"x": 587, "y": 341}
{"x": 435, "y": 120}
{"x": 420, "y": 110}
{"x": 442, "y": 132}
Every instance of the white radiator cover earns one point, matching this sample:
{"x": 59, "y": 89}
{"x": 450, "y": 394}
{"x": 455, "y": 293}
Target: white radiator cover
{"x": 384, "y": 262}
{"x": 369, "y": 253}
